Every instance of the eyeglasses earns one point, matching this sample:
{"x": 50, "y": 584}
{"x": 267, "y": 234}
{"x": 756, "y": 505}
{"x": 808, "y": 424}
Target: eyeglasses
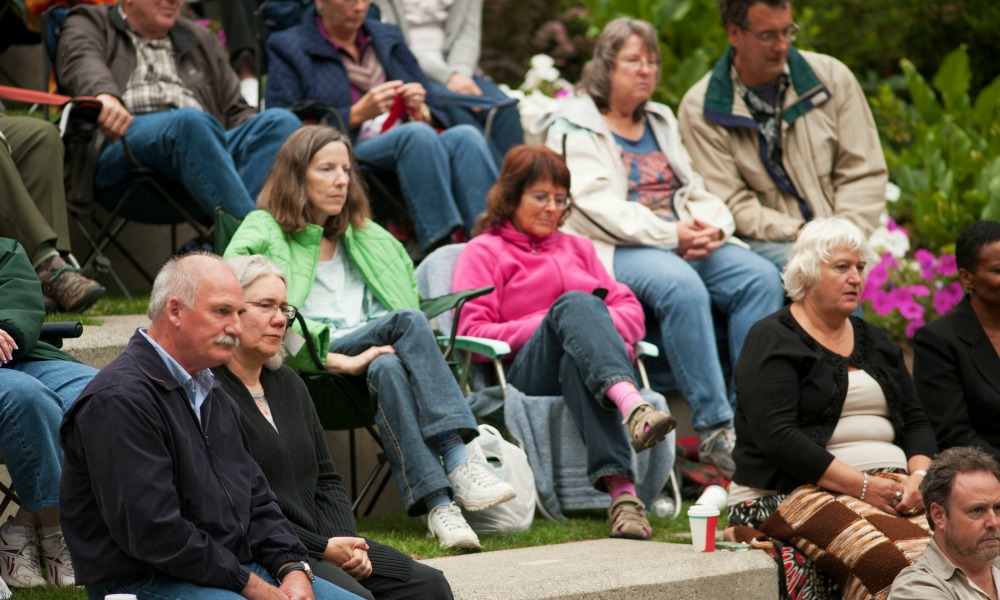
{"x": 769, "y": 37}
{"x": 268, "y": 307}
{"x": 634, "y": 63}
{"x": 542, "y": 199}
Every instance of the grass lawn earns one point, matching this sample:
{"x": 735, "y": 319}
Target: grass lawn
{"x": 408, "y": 534}
{"x": 109, "y": 304}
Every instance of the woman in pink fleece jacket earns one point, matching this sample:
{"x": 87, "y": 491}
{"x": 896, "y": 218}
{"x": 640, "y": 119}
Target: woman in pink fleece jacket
{"x": 570, "y": 326}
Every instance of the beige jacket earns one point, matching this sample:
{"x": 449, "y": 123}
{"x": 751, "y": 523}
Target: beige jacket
{"x": 601, "y": 208}
{"x": 831, "y": 149}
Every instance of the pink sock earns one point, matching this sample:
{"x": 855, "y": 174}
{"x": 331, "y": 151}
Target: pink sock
{"x": 618, "y": 485}
{"x": 624, "y": 395}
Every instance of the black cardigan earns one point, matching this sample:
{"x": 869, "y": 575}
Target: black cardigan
{"x": 296, "y": 461}
{"x": 790, "y": 391}
{"x": 957, "y": 374}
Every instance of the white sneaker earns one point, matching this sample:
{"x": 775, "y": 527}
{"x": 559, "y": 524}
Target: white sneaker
{"x": 250, "y": 90}
{"x": 58, "y": 564}
{"x": 475, "y": 487}
{"x": 5, "y": 593}
{"x": 715, "y": 447}
{"x": 446, "y": 523}
{"x": 20, "y": 564}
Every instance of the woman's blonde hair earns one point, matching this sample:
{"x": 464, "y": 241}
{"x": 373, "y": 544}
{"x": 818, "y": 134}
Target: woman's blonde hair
{"x": 284, "y": 193}
{"x": 817, "y": 242}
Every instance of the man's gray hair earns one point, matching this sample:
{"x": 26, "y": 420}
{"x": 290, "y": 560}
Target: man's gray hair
{"x": 818, "y": 240}
{"x": 175, "y": 280}
{"x": 249, "y": 269}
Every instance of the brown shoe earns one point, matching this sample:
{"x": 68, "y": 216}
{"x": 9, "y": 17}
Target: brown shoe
{"x": 71, "y": 291}
{"x": 647, "y": 426}
{"x": 627, "y": 518}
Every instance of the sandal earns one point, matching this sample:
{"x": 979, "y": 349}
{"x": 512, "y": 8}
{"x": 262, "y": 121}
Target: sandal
{"x": 647, "y": 426}
{"x": 627, "y": 518}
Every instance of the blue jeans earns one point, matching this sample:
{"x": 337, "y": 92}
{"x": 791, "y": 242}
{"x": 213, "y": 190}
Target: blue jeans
{"x": 189, "y": 146}
{"x": 165, "y": 587}
{"x": 444, "y": 177}
{"x": 34, "y": 394}
{"x": 680, "y": 295}
{"x": 415, "y": 397}
{"x": 578, "y": 341}
{"x": 776, "y": 252}
{"x": 506, "y": 132}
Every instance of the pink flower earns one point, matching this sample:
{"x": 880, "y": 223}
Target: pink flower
{"x": 891, "y": 225}
{"x": 562, "y": 93}
{"x": 913, "y": 326}
{"x": 911, "y": 310}
{"x": 919, "y": 291}
{"x": 882, "y": 302}
{"x": 947, "y": 298}
{"x": 927, "y": 262}
{"x": 947, "y": 265}
{"x": 875, "y": 280}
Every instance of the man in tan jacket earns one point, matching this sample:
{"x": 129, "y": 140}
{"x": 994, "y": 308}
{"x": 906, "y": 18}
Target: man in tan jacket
{"x": 782, "y": 135}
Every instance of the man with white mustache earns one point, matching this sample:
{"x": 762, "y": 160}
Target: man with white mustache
{"x": 159, "y": 497}
{"x": 962, "y": 494}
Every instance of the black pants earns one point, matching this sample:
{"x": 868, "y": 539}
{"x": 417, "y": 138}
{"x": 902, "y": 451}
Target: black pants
{"x": 426, "y": 583}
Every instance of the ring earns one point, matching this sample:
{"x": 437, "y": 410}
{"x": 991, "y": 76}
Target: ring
{"x": 912, "y": 511}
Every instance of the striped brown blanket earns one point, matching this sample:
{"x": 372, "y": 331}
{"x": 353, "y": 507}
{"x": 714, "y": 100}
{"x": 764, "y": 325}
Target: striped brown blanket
{"x": 858, "y": 545}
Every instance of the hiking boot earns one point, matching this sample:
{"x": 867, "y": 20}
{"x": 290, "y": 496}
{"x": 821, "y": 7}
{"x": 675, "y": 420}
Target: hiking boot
{"x": 446, "y": 523}
{"x": 475, "y": 487}
{"x": 58, "y": 565}
{"x": 715, "y": 447}
{"x": 20, "y": 564}
{"x": 63, "y": 283}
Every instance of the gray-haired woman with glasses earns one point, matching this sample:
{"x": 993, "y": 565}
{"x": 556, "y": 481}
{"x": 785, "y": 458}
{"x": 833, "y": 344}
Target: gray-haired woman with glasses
{"x": 657, "y": 229}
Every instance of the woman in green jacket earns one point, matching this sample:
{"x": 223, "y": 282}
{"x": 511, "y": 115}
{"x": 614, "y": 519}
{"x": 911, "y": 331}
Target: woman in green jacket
{"x": 354, "y": 284}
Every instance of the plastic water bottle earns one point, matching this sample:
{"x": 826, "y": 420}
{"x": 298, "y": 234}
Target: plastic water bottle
{"x": 663, "y": 506}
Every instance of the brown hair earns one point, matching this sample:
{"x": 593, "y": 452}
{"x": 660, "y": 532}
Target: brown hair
{"x": 735, "y": 11}
{"x": 940, "y": 478}
{"x": 284, "y": 193}
{"x": 596, "y": 78}
{"x": 523, "y": 166}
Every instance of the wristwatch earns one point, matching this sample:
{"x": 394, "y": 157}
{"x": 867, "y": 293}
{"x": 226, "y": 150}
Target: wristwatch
{"x": 295, "y": 566}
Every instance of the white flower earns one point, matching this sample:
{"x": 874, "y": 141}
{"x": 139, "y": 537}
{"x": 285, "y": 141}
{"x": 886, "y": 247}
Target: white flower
{"x": 882, "y": 240}
{"x": 543, "y": 70}
{"x": 892, "y": 192}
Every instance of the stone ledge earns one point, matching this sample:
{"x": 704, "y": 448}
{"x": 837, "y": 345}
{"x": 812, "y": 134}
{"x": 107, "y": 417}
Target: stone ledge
{"x": 100, "y": 344}
{"x": 610, "y": 569}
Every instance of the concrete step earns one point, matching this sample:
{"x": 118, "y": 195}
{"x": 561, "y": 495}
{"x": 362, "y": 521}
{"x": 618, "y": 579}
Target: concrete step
{"x": 609, "y": 570}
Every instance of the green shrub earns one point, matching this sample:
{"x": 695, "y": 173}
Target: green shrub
{"x": 943, "y": 150}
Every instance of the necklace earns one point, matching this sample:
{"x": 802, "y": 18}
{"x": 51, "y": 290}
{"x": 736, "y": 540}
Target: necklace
{"x": 258, "y": 399}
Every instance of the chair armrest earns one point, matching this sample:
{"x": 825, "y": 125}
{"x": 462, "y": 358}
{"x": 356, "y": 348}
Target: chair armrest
{"x": 491, "y": 349}
{"x": 432, "y": 307}
{"x": 55, "y": 333}
{"x": 646, "y": 350}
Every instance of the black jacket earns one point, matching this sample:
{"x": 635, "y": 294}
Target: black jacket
{"x": 147, "y": 489}
{"x": 957, "y": 373}
{"x": 790, "y": 392}
{"x": 297, "y": 463}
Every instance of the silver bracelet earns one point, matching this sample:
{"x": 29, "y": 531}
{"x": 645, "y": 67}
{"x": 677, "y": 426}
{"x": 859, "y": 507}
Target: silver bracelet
{"x": 920, "y": 472}
{"x": 864, "y": 488}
